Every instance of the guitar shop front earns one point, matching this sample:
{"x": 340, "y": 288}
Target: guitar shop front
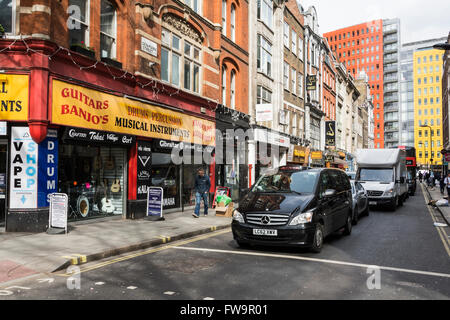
{"x": 93, "y": 172}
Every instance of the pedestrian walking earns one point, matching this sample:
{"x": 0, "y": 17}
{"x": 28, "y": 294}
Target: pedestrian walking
{"x": 201, "y": 188}
{"x": 442, "y": 184}
{"x": 447, "y": 184}
{"x": 420, "y": 176}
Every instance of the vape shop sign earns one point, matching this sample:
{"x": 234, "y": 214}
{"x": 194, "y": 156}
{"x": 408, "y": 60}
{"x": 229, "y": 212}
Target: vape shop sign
{"x": 24, "y": 169}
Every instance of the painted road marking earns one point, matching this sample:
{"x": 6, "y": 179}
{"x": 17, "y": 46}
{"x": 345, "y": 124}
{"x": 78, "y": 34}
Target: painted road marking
{"x": 365, "y": 266}
{"x": 169, "y": 293}
{"x": 442, "y": 234}
{"x": 48, "y": 280}
{"x": 153, "y": 250}
{"x": 131, "y": 288}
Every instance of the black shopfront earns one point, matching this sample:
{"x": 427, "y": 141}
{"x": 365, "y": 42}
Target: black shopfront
{"x": 232, "y": 164}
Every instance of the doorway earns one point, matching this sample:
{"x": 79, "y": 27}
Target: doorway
{"x": 3, "y": 180}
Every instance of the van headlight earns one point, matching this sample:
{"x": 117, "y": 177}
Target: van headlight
{"x": 302, "y": 219}
{"x": 237, "y": 216}
{"x": 389, "y": 192}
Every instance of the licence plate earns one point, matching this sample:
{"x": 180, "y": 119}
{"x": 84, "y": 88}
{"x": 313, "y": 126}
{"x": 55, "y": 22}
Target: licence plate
{"x": 265, "y": 232}
{"x": 372, "y": 203}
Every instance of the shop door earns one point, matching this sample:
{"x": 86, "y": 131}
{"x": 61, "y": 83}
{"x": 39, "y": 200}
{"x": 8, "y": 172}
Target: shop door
{"x": 3, "y": 181}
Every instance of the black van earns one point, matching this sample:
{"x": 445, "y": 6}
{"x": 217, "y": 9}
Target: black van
{"x": 295, "y": 209}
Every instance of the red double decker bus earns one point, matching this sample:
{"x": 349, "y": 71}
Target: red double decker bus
{"x": 411, "y": 166}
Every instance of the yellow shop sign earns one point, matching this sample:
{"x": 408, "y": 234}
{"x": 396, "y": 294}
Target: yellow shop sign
{"x": 14, "y": 97}
{"x": 77, "y": 106}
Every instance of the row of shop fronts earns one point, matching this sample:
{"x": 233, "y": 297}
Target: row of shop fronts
{"x": 104, "y": 149}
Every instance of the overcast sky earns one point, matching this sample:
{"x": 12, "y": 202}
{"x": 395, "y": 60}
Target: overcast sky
{"x": 419, "y": 19}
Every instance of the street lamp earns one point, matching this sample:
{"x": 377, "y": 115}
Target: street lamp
{"x": 431, "y": 158}
{"x": 442, "y": 46}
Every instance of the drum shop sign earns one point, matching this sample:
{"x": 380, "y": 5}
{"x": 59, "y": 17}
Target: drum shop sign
{"x": 33, "y": 169}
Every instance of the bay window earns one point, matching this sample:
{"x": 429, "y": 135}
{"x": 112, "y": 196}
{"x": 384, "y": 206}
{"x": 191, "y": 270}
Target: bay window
{"x": 180, "y": 62}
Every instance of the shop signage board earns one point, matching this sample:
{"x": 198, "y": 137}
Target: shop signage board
{"x": 144, "y": 168}
{"x": 330, "y": 134}
{"x": 14, "y": 97}
{"x": 316, "y": 155}
{"x": 155, "y": 199}
{"x": 48, "y": 168}
{"x": 93, "y": 136}
{"x": 264, "y": 112}
{"x": 59, "y": 204}
{"x": 77, "y": 106}
{"x": 23, "y": 169}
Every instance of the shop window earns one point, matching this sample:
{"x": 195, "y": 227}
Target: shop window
{"x": 108, "y": 30}
{"x": 94, "y": 180}
{"x": 79, "y": 22}
{"x": 8, "y": 13}
{"x": 167, "y": 176}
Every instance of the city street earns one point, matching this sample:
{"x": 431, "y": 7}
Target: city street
{"x": 413, "y": 258}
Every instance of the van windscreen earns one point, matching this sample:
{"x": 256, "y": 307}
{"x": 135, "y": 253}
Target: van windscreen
{"x": 378, "y": 175}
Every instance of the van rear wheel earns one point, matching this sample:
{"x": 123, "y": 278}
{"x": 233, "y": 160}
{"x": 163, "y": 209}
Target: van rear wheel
{"x": 348, "y": 225}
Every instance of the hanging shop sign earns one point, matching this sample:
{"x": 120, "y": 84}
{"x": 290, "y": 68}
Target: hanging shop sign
{"x": 311, "y": 82}
{"x": 77, "y": 106}
{"x": 24, "y": 169}
{"x": 330, "y": 134}
{"x": 14, "y": 97}
{"x": 48, "y": 168}
{"x": 144, "y": 168}
{"x": 98, "y": 137}
{"x": 316, "y": 155}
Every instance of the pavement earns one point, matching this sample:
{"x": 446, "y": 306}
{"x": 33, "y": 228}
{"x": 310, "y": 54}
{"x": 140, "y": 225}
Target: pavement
{"x": 436, "y": 194}
{"x": 24, "y": 254}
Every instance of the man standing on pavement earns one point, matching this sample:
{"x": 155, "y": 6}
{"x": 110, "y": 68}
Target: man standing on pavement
{"x": 201, "y": 188}
{"x": 447, "y": 184}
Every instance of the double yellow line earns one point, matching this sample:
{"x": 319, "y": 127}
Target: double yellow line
{"x": 149, "y": 251}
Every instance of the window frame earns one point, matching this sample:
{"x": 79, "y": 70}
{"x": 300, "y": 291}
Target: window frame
{"x": 86, "y": 24}
{"x": 113, "y": 54}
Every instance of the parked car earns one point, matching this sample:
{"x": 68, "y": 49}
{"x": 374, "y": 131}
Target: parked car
{"x": 360, "y": 201}
{"x": 296, "y": 208}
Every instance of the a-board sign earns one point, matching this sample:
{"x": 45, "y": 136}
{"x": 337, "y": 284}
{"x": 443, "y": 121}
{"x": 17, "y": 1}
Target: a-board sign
{"x": 59, "y": 203}
{"x": 155, "y": 197}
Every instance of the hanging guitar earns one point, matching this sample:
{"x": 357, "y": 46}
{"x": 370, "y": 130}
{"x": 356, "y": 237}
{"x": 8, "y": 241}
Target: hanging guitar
{"x": 115, "y": 187}
{"x": 106, "y": 203}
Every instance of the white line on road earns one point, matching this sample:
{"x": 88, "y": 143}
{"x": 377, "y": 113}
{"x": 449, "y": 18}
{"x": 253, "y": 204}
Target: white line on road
{"x": 434, "y": 274}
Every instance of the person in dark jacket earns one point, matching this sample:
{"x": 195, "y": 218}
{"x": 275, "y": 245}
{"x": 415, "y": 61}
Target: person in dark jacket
{"x": 201, "y": 188}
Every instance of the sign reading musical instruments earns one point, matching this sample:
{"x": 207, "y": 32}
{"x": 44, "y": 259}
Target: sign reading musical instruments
{"x": 330, "y": 134}
{"x": 311, "y": 83}
{"x": 77, "y": 106}
{"x": 14, "y": 97}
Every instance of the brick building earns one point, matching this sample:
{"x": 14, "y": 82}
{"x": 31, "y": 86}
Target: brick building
{"x": 144, "y": 74}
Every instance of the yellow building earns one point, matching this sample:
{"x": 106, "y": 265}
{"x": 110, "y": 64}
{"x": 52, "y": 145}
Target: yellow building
{"x": 428, "y": 106}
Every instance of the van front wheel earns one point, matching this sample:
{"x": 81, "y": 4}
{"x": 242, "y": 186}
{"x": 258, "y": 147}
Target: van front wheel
{"x": 394, "y": 204}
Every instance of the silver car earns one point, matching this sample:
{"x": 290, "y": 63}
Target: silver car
{"x": 360, "y": 201}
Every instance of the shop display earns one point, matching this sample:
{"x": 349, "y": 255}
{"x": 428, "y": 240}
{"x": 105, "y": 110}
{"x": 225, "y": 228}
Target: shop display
{"x": 92, "y": 177}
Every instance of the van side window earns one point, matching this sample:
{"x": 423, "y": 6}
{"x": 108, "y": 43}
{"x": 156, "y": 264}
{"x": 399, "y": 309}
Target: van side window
{"x": 337, "y": 183}
{"x": 324, "y": 183}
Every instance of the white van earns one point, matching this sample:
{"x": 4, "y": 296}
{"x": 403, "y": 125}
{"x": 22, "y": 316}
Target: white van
{"x": 383, "y": 174}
